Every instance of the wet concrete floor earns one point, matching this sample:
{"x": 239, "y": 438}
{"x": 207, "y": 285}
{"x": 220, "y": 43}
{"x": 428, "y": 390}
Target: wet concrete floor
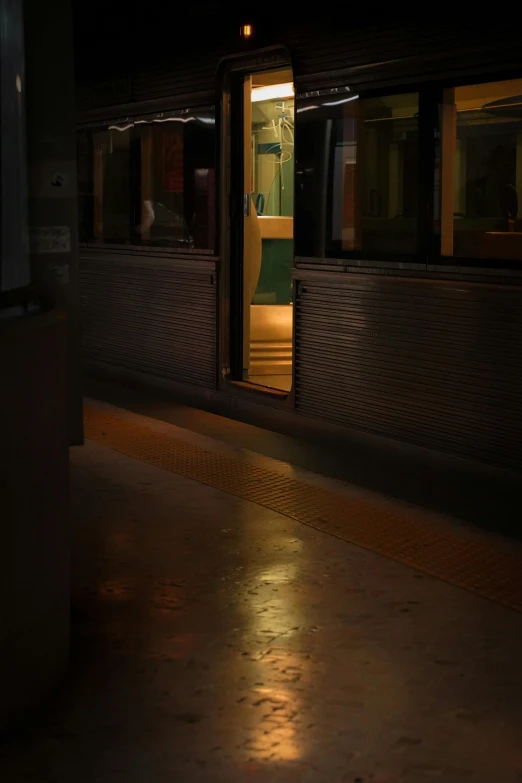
{"x": 216, "y": 640}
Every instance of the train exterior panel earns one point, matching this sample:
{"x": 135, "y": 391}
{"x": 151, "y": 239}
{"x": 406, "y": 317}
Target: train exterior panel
{"x": 315, "y": 226}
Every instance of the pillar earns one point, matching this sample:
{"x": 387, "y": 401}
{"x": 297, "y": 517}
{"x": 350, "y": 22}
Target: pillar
{"x": 39, "y": 381}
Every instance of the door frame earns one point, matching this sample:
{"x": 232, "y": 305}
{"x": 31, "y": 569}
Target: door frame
{"x": 230, "y": 123}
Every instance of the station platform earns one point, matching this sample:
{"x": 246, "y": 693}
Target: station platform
{"x": 240, "y": 617}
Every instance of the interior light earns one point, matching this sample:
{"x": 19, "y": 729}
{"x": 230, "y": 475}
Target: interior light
{"x": 246, "y": 31}
{"x": 271, "y": 91}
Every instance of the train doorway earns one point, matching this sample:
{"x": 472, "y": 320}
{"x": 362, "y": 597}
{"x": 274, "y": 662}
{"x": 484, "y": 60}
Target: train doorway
{"x": 262, "y": 187}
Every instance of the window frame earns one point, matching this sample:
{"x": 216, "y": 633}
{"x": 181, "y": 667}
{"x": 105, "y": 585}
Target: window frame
{"x": 428, "y": 257}
{"x": 437, "y": 262}
{"x": 426, "y": 154}
{"x": 138, "y": 117}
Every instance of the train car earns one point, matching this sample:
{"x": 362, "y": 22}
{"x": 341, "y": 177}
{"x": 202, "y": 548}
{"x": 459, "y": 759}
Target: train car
{"x": 312, "y": 225}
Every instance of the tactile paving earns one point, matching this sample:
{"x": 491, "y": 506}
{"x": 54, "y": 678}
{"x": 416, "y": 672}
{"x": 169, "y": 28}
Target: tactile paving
{"x": 408, "y": 535}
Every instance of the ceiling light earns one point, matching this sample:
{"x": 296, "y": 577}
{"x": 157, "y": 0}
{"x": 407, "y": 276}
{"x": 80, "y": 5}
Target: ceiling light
{"x": 272, "y": 91}
{"x": 246, "y": 31}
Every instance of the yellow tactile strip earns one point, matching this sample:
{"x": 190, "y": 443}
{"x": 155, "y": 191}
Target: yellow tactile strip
{"x": 402, "y": 534}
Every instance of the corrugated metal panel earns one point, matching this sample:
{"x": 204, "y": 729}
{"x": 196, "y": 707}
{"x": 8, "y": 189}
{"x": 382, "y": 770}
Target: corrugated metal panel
{"x": 102, "y": 91}
{"x": 436, "y": 364}
{"x": 378, "y": 54}
{"x": 198, "y": 79}
{"x": 150, "y": 315}
{"x": 153, "y": 64}
{"x": 142, "y": 64}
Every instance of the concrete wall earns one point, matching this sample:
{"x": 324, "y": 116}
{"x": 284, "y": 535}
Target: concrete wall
{"x": 40, "y": 400}
{"x": 34, "y": 525}
{"x": 51, "y": 155}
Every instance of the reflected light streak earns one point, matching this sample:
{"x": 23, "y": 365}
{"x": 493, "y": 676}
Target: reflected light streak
{"x": 283, "y": 572}
{"x": 279, "y": 704}
{"x": 344, "y": 100}
{"x": 174, "y": 119}
{"x": 276, "y": 612}
{"x": 123, "y": 128}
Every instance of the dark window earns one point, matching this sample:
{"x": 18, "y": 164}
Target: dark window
{"x": 14, "y": 255}
{"x": 481, "y": 183}
{"x": 357, "y": 175}
{"x": 149, "y": 182}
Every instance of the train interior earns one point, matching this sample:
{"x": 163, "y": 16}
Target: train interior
{"x": 268, "y": 143}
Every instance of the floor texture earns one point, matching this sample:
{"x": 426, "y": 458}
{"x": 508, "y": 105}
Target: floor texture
{"x": 217, "y": 639}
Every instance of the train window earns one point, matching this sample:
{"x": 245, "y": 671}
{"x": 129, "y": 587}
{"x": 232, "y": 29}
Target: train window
{"x": 481, "y": 170}
{"x": 357, "y": 175}
{"x": 149, "y": 182}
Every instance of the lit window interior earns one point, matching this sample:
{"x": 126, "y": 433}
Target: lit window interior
{"x": 482, "y": 170}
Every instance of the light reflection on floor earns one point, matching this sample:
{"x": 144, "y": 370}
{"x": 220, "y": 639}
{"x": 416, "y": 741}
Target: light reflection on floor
{"x": 217, "y": 641}
{"x": 275, "y": 612}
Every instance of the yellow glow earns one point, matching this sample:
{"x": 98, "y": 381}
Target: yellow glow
{"x": 272, "y": 91}
{"x": 277, "y": 736}
{"x": 246, "y": 31}
{"x": 280, "y": 572}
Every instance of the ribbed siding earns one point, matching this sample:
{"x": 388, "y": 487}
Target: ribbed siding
{"x": 143, "y": 65}
{"x": 177, "y": 80}
{"x": 411, "y": 51}
{"x": 147, "y": 316}
{"x": 431, "y": 363}
{"x": 148, "y": 68}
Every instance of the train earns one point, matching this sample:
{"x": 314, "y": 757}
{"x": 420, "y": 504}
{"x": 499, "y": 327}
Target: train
{"x": 308, "y": 224}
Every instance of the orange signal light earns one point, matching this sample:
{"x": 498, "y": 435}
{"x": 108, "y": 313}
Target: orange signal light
{"x": 246, "y": 31}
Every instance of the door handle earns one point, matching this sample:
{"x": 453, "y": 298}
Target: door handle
{"x": 246, "y": 204}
